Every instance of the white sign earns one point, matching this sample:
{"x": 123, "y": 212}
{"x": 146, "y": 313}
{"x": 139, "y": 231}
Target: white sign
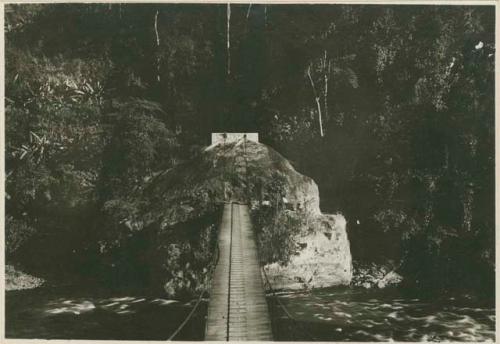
{"x": 233, "y": 137}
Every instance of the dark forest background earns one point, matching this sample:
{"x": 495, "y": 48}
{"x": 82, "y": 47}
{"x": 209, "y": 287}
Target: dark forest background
{"x": 390, "y": 109}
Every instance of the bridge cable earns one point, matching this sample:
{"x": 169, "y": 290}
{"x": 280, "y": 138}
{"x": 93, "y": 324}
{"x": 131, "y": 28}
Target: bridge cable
{"x": 285, "y": 309}
{"x": 229, "y": 279}
{"x": 192, "y": 312}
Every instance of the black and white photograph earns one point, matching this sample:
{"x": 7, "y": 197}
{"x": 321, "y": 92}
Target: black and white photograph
{"x": 249, "y": 171}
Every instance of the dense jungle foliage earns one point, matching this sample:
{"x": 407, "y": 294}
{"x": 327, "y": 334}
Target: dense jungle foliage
{"x": 390, "y": 109}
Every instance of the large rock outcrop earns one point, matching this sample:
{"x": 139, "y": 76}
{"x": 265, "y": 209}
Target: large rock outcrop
{"x": 299, "y": 246}
{"x": 323, "y": 260}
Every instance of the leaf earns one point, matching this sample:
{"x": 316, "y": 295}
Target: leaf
{"x": 35, "y": 136}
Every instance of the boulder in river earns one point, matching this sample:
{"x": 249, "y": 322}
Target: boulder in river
{"x": 299, "y": 246}
{"x": 18, "y": 280}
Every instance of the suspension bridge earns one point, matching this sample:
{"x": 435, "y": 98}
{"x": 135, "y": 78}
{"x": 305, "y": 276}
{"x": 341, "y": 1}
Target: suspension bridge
{"x": 237, "y": 307}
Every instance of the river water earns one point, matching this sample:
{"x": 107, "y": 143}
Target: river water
{"x": 346, "y": 314}
{"x": 46, "y": 313}
{"x": 335, "y": 314}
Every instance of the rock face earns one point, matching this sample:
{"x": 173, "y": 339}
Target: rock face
{"x": 18, "y": 280}
{"x": 323, "y": 261}
{"x": 375, "y": 276}
{"x": 299, "y": 246}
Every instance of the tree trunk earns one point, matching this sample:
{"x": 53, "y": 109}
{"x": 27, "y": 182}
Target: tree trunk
{"x": 320, "y": 119}
{"x": 228, "y": 38}
{"x": 316, "y": 98}
{"x": 326, "y": 67}
{"x": 248, "y": 10}
{"x": 157, "y": 47}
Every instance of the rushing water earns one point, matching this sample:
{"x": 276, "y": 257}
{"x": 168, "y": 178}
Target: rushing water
{"x": 361, "y": 315}
{"x": 327, "y": 315}
{"x": 54, "y": 314}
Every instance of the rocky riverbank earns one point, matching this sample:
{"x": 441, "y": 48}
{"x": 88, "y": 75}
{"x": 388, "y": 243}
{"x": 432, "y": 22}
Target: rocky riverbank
{"x": 18, "y": 280}
{"x": 375, "y": 276}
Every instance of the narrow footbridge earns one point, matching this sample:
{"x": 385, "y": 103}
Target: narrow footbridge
{"x": 237, "y": 308}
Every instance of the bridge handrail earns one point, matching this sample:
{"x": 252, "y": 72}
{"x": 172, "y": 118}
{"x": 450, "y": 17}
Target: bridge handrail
{"x": 286, "y": 311}
{"x": 207, "y": 287}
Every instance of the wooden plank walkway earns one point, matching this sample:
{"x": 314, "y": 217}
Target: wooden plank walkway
{"x": 237, "y": 309}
